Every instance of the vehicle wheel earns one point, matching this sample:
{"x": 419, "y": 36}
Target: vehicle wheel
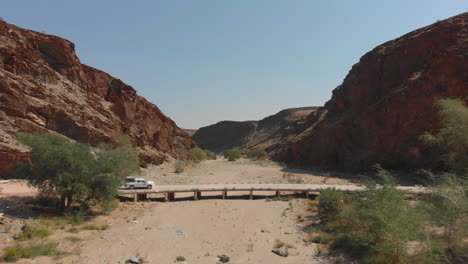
{"x": 132, "y": 187}
{"x": 149, "y": 187}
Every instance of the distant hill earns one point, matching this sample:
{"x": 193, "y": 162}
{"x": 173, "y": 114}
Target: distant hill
{"x": 265, "y": 133}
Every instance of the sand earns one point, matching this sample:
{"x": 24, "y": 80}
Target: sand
{"x": 242, "y": 171}
{"x": 16, "y": 188}
{"x": 200, "y": 230}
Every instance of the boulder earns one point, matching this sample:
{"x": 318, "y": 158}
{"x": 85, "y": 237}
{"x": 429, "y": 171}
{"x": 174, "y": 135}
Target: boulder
{"x": 283, "y": 252}
{"x": 224, "y": 258}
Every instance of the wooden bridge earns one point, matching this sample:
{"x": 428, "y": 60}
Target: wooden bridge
{"x": 169, "y": 191}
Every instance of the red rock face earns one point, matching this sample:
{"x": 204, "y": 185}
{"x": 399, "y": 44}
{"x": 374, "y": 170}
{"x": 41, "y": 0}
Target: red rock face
{"x": 44, "y": 88}
{"x": 386, "y": 101}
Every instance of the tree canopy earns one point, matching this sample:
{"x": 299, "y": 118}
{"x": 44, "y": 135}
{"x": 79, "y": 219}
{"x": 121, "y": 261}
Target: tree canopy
{"x": 452, "y": 136}
{"x": 74, "y": 171}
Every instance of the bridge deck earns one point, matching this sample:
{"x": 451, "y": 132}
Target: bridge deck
{"x": 170, "y": 190}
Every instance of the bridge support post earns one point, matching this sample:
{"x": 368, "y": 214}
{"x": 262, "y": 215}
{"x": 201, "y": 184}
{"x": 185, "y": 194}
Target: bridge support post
{"x": 278, "y": 193}
{"x": 169, "y": 196}
{"x": 224, "y": 195}
{"x": 306, "y": 193}
{"x": 135, "y": 197}
{"x": 142, "y": 197}
{"x": 198, "y": 195}
{"x": 251, "y": 194}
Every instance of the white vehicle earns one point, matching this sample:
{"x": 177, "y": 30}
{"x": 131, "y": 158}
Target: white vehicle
{"x": 133, "y": 183}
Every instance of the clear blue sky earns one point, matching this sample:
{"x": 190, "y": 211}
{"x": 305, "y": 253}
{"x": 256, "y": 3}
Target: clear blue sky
{"x": 203, "y": 61}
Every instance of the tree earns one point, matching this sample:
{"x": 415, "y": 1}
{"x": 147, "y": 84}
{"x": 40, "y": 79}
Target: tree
{"x": 232, "y": 154}
{"x": 73, "y": 171}
{"x": 257, "y": 154}
{"x": 452, "y": 136}
{"x": 198, "y": 154}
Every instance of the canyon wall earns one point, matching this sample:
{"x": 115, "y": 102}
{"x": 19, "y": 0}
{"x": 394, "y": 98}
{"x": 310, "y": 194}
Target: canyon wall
{"x": 44, "y": 88}
{"x": 385, "y": 102}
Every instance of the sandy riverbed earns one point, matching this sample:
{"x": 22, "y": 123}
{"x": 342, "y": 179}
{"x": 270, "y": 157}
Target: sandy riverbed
{"x": 199, "y": 230}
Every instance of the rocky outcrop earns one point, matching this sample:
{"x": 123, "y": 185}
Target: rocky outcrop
{"x": 44, "y": 88}
{"x": 265, "y": 133}
{"x": 385, "y": 102}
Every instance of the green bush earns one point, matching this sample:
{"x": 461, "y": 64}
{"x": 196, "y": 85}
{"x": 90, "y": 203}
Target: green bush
{"x": 257, "y": 154}
{"x": 73, "y": 230}
{"x": 374, "y": 226}
{"x": 211, "y": 155}
{"x": 32, "y": 229}
{"x": 59, "y": 221}
{"x": 74, "y": 172}
{"x": 330, "y": 201}
{"x": 198, "y": 154}
{"x": 73, "y": 239}
{"x": 108, "y": 206}
{"x": 232, "y": 154}
{"x": 13, "y": 254}
{"x": 452, "y": 136}
{"x": 447, "y": 208}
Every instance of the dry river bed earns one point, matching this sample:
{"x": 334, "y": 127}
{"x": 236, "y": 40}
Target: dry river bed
{"x": 158, "y": 232}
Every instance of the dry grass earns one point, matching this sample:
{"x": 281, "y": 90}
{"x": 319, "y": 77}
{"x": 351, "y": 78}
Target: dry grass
{"x": 17, "y": 252}
{"x": 291, "y": 178}
{"x": 280, "y": 244}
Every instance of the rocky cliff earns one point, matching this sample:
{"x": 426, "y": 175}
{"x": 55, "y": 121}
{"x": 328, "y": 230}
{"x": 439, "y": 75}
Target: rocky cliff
{"x": 44, "y": 88}
{"x": 265, "y": 133}
{"x": 386, "y": 101}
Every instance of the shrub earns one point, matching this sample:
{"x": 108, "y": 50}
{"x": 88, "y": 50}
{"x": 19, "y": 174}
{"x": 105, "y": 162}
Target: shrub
{"x": 180, "y": 258}
{"x": 108, "y": 206}
{"x": 330, "y": 201}
{"x": 320, "y": 237}
{"x": 95, "y": 227}
{"x": 291, "y": 178}
{"x": 452, "y": 137}
{"x": 257, "y": 154}
{"x": 59, "y": 221}
{"x": 197, "y": 155}
{"x": 32, "y": 229}
{"x": 211, "y": 155}
{"x": 73, "y": 230}
{"x": 179, "y": 166}
{"x": 447, "y": 208}
{"x": 379, "y": 224}
{"x": 13, "y": 254}
{"x": 73, "y": 239}
{"x": 232, "y": 154}
{"x": 280, "y": 244}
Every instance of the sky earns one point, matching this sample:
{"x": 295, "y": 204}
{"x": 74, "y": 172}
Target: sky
{"x": 204, "y": 61}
